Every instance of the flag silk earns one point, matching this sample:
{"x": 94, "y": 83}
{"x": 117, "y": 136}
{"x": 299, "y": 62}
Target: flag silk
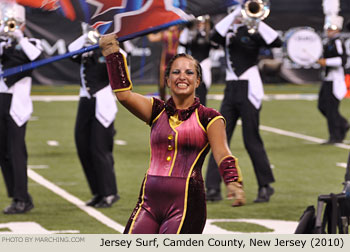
{"x": 126, "y": 18}
{"x": 44, "y": 4}
{"x": 132, "y": 18}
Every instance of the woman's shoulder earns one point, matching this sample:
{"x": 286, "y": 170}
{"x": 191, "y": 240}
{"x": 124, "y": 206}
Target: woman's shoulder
{"x": 206, "y": 115}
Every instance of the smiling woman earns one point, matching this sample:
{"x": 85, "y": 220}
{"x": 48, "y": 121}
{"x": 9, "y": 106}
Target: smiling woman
{"x": 172, "y": 198}
{"x": 183, "y": 75}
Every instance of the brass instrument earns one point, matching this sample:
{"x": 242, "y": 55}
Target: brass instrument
{"x": 254, "y": 11}
{"x": 12, "y": 17}
{"x": 10, "y": 25}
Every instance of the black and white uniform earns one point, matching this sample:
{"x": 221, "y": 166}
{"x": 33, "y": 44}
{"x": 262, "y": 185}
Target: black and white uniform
{"x": 94, "y": 128}
{"x": 333, "y": 89}
{"x": 15, "y": 110}
{"x": 243, "y": 93}
{"x": 198, "y": 44}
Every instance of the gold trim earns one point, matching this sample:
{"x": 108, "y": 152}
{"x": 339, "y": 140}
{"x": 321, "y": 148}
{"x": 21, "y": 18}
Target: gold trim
{"x": 222, "y": 159}
{"x": 214, "y": 119}
{"x": 140, "y": 206}
{"x": 199, "y": 122}
{"x": 175, "y": 150}
{"x": 127, "y": 75}
{"x": 155, "y": 119}
{"x": 186, "y": 192}
{"x": 122, "y": 89}
{"x": 240, "y": 176}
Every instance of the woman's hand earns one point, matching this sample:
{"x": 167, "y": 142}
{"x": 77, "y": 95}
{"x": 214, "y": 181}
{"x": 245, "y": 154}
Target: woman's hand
{"x": 109, "y": 44}
{"x": 235, "y": 191}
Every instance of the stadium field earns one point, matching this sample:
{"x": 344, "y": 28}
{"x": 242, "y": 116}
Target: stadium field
{"x": 291, "y": 126}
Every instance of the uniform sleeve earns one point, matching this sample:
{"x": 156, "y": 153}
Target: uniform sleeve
{"x": 341, "y": 58}
{"x": 269, "y": 35}
{"x": 208, "y": 116}
{"x": 31, "y": 47}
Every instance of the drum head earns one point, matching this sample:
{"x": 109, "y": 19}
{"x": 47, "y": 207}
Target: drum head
{"x": 304, "y": 46}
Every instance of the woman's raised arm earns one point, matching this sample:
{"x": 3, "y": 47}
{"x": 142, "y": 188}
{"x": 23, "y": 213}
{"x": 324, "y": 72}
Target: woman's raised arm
{"x": 120, "y": 82}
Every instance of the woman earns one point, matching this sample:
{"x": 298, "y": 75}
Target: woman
{"x": 172, "y": 197}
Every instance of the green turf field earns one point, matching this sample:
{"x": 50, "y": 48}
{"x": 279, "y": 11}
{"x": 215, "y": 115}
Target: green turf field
{"x": 303, "y": 169}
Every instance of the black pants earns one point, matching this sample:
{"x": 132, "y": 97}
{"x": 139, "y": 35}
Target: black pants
{"x": 94, "y": 144}
{"x": 13, "y": 152}
{"x": 328, "y": 105}
{"x": 201, "y": 92}
{"x": 234, "y": 106}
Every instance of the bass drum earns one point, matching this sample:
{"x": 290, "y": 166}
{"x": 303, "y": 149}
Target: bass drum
{"x": 303, "y": 45}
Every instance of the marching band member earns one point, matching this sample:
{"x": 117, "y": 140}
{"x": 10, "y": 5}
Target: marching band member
{"x": 172, "y": 197}
{"x": 94, "y": 127}
{"x": 170, "y": 42}
{"x": 333, "y": 87}
{"x": 195, "y": 40}
{"x": 15, "y": 106}
{"x": 243, "y": 96}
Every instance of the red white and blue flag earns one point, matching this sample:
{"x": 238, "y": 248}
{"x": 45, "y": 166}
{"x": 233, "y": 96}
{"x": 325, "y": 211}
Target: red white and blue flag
{"x": 131, "y": 18}
{"x": 127, "y": 18}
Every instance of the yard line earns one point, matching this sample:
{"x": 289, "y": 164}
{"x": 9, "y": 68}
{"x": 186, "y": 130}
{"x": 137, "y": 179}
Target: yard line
{"x": 75, "y": 201}
{"x": 301, "y": 136}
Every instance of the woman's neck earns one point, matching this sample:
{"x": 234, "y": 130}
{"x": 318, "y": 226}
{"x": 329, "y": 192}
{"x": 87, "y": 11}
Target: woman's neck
{"x": 183, "y": 103}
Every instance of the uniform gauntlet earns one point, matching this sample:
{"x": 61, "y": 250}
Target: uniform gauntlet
{"x": 229, "y": 170}
{"x": 118, "y": 74}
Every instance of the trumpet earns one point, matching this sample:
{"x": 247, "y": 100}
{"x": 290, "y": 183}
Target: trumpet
{"x": 10, "y": 25}
{"x": 254, "y": 11}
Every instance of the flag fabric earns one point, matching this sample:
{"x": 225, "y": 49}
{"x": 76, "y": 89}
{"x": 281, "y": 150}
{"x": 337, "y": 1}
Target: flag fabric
{"x": 44, "y": 4}
{"x": 132, "y": 18}
{"x": 126, "y": 18}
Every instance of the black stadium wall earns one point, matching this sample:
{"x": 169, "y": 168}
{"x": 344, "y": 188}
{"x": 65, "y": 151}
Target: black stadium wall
{"x": 57, "y": 32}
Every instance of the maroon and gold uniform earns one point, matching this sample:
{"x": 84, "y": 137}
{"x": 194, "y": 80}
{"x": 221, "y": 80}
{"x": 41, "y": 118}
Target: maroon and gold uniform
{"x": 172, "y": 197}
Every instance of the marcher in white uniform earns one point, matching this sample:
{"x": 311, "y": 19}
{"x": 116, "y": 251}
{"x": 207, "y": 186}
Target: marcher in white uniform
{"x": 15, "y": 106}
{"x": 94, "y": 127}
{"x": 333, "y": 87}
{"x": 243, "y": 95}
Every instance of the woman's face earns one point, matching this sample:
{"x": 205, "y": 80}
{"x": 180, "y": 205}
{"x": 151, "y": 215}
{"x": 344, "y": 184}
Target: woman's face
{"x": 183, "y": 78}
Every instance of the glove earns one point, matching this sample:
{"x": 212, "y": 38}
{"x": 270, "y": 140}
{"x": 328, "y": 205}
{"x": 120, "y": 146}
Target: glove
{"x": 18, "y": 35}
{"x": 109, "y": 44}
{"x": 235, "y": 190}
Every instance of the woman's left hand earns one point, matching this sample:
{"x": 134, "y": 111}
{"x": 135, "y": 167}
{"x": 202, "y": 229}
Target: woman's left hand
{"x": 235, "y": 191}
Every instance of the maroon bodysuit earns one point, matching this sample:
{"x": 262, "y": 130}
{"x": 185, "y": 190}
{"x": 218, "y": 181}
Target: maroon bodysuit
{"x": 172, "y": 196}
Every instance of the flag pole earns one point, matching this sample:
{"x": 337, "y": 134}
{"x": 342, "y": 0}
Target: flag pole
{"x": 38, "y": 63}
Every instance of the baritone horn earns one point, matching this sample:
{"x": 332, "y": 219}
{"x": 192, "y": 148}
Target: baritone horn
{"x": 254, "y": 11}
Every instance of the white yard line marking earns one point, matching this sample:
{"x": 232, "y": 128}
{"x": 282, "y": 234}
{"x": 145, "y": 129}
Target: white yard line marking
{"x": 75, "y": 201}
{"x": 52, "y": 143}
{"x": 343, "y": 165}
{"x": 301, "y": 136}
{"x": 51, "y": 98}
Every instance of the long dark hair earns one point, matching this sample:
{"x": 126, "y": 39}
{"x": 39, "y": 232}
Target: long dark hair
{"x": 184, "y": 55}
